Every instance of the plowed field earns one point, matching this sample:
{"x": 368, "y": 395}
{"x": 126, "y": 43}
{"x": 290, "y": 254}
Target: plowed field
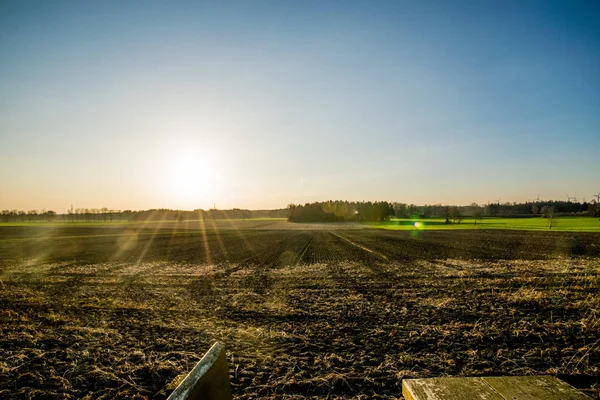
{"x": 125, "y": 312}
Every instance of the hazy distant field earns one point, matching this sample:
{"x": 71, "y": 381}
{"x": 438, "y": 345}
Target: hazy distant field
{"x": 562, "y": 224}
{"x": 324, "y": 310}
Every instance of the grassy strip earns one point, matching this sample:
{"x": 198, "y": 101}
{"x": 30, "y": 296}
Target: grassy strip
{"x": 562, "y": 224}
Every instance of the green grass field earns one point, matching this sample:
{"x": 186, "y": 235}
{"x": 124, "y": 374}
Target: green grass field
{"x": 560, "y": 224}
{"x": 565, "y": 224}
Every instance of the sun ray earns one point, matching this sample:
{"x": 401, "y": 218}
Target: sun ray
{"x": 215, "y": 228}
{"x": 151, "y": 240}
{"x": 174, "y": 232}
{"x": 249, "y": 247}
{"x": 126, "y": 241}
{"x": 207, "y": 256}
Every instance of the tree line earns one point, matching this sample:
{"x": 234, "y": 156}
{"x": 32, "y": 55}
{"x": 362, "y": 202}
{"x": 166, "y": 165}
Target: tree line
{"x": 107, "y": 215}
{"x": 27, "y": 216}
{"x": 327, "y": 211}
{"x": 338, "y": 211}
{"x": 335, "y": 211}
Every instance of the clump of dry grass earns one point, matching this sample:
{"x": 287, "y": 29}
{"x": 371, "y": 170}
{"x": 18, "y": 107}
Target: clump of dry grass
{"x": 525, "y": 295}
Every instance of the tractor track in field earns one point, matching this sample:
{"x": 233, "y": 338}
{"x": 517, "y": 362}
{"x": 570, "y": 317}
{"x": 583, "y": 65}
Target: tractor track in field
{"x": 303, "y": 251}
{"x": 383, "y": 256}
{"x": 275, "y": 254}
{"x": 327, "y": 247}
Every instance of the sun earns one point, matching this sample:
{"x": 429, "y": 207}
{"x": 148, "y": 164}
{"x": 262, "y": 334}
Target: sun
{"x": 193, "y": 179}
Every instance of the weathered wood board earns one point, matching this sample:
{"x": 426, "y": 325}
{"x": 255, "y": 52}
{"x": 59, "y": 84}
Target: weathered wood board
{"x": 209, "y": 380}
{"x": 490, "y": 388}
{"x": 534, "y": 387}
{"x": 448, "y": 389}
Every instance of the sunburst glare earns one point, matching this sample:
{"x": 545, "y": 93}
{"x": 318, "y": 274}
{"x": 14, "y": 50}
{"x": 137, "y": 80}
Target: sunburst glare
{"x": 193, "y": 179}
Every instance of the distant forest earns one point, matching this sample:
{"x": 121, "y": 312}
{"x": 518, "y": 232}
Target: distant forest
{"x": 106, "y": 215}
{"x": 330, "y": 211}
{"x": 327, "y": 211}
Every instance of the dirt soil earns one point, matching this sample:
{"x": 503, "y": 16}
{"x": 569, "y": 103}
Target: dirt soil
{"x": 127, "y": 312}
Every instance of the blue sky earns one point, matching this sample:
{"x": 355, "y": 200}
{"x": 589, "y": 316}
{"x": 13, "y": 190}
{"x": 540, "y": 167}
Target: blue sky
{"x": 276, "y": 102}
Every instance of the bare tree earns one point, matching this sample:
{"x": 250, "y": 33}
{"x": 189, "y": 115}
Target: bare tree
{"x": 478, "y": 215}
{"x": 549, "y": 212}
{"x": 456, "y": 215}
{"x": 104, "y": 211}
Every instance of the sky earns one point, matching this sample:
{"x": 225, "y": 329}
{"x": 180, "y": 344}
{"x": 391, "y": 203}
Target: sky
{"x": 258, "y": 104}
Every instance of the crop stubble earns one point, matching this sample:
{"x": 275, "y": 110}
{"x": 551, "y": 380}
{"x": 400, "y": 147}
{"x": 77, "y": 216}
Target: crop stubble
{"x": 347, "y": 313}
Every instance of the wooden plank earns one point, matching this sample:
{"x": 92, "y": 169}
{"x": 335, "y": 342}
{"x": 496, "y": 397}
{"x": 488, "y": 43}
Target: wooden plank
{"x": 448, "y": 389}
{"x": 534, "y": 387}
{"x": 209, "y": 380}
{"x": 491, "y": 388}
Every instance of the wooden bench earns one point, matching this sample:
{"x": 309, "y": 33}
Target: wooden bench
{"x": 490, "y": 388}
{"x": 209, "y": 380}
